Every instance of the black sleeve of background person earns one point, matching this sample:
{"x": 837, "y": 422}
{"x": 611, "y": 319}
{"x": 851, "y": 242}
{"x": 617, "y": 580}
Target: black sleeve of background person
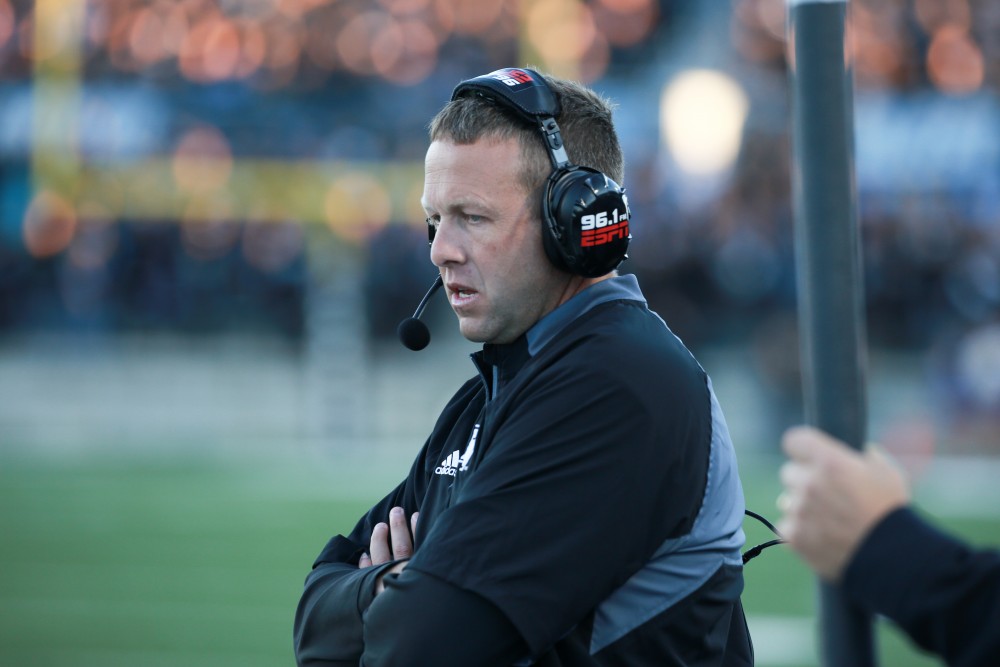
{"x": 327, "y": 625}
{"x": 420, "y": 620}
{"x": 599, "y": 459}
{"x": 942, "y": 593}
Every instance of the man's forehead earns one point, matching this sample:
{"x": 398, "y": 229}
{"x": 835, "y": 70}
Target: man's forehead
{"x": 489, "y": 142}
{"x": 483, "y": 168}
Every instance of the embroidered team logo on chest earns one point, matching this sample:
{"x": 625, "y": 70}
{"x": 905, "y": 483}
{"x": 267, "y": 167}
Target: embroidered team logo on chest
{"x": 459, "y": 462}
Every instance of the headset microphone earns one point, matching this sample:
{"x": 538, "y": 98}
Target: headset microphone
{"x": 413, "y": 333}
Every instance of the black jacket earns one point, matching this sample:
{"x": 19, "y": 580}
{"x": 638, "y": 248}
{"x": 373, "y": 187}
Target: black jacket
{"x": 579, "y": 505}
{"x": 942, "y": 593}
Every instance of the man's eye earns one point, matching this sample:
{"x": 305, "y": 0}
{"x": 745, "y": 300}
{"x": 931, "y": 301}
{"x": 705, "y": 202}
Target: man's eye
{"x": 432, "y": 226}
{"x": 474, "y": 218}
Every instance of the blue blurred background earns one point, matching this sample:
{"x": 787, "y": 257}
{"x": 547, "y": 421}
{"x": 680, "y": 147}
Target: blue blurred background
{"x": 210, "y": 227}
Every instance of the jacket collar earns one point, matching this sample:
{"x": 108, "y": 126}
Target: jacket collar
{"x": 498, "y": 364}
{"x": 617, "y": 288}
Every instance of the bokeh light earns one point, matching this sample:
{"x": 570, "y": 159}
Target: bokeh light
{"x": 625, "y": 22}
{"x": 145, "y": 37}
{"x": 933, "y": 14}
{"x": 202, "y": 160}
{"x": 702, "y": 113}
{"x": 211, "y": 50}
{"x": 356, "y": 205}
{"x": 7, "y": 22}
{"x": 320, "y": 45}
{"x": 357, "y": 39}
{"x": 49, "y": 224}
{"x": 417, "y": 56}
{"x": 209, "y": 239}
{"x": 954, "y": 61}
{"x": 51, "y": 33}
{"x": 595, "y": 60}
{"x": 285, "y": 45}
{"x": 560, "y": 31}
{"x": 757, "y": 30}
{"x": 253, "y": 49}
{"x": 272, "y": 246}
{"x": 878, "y": 49}
{"x": 953, "y": 44}
{"x": 467, "y": 17}
{"x": 96, "y": 239}
{"x": 280, "y": 43}
{"x": 405, "y": 7}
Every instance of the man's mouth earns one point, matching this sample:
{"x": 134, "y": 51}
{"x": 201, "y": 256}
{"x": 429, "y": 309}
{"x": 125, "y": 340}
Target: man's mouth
{"x": 461, "y": 294}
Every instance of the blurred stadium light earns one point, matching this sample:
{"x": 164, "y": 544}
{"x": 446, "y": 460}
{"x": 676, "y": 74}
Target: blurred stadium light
{"x": 701, "y": 119}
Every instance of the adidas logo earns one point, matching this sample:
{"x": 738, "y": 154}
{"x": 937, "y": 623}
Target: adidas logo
{"x": 447, "y": 466}
{"x": 459, "y": 462}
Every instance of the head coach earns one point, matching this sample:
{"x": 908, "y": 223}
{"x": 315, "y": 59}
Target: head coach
{"x": 577, "y": 501}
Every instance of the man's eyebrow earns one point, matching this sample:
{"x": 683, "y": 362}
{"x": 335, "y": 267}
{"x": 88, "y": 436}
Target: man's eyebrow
{"x": 458, "y": 206}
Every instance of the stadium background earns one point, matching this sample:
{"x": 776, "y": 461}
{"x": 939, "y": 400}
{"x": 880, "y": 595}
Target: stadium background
{"x": 210, "y": 226}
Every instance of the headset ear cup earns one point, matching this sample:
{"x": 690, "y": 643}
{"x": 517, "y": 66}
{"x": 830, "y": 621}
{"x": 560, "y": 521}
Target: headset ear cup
{"x": 585, "y": 219}
{"x": 553, "y": 231}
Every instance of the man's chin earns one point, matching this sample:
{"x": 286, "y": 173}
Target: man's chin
{"x": 477, "y": 329}
{"x": 472, "y": 333}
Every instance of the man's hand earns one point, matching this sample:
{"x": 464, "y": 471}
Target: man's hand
{"x": 833, "y": 497}
{"x": 391, "y": 541}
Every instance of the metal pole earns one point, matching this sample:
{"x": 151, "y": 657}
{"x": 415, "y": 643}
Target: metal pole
{"x": 830, "y": 295}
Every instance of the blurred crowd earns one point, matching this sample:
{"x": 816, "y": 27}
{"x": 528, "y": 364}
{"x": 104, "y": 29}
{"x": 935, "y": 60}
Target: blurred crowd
{"x": 303, "y": 79}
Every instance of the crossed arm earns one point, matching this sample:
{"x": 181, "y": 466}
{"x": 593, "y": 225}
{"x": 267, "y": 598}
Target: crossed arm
{"x": 407, "y": 614}
{"x": 402, "y": 624}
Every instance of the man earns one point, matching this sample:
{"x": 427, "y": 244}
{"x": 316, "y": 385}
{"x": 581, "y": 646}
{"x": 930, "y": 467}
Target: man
{"x": 578, "y": 501}
{"x": 848, "y": 515}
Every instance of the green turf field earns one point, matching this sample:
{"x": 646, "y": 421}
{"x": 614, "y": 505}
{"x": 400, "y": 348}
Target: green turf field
{"x": 200, "y": 564}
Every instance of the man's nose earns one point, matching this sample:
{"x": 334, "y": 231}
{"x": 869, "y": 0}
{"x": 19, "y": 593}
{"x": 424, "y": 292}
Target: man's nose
{"x": 447, "y": 246}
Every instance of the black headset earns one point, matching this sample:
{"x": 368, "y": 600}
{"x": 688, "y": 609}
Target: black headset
{"x": 585, "y": 214}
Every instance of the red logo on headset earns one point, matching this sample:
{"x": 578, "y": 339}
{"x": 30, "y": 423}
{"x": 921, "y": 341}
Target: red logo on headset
{"x": 603, "y": 227}
{"x": 606, "y": 235}
{"x": 512, "y": 77}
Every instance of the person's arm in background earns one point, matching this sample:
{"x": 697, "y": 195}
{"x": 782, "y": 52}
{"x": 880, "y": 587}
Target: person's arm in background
{"x": 848, "y": 515}
{"x": 833, "y": 497}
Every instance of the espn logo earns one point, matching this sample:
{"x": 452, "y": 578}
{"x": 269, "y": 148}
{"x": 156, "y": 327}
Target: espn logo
{"x": 513, "y": 77}
{"x": 601, "y": 228}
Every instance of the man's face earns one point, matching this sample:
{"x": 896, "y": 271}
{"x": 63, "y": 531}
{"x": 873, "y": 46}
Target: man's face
{"x": 488, "y": 245}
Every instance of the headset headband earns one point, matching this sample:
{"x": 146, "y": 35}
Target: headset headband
{"x": 525, "y": 92}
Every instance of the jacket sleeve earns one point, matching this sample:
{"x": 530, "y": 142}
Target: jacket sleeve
{"x": 421, "y": 620}
{"x": 328, "y": 621}
{"x": 941, "y": 592}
